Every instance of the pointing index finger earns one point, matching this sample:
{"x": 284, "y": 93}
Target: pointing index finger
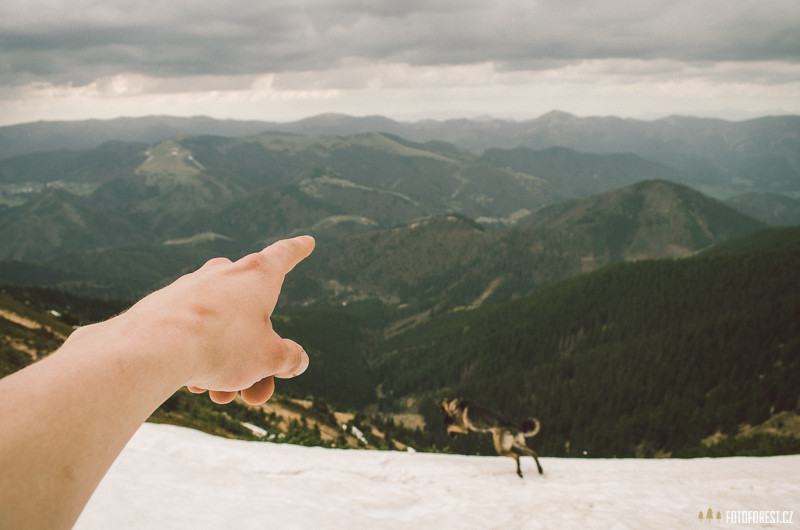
{"x": 272, "y": 264}
{"x": 289, "y": 252}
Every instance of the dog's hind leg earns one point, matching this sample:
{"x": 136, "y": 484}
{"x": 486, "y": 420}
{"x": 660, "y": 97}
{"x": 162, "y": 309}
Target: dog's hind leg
{"x": 521, "y": 449}
{"x": 536, "y": 458}
{"x": 505, "y": 444}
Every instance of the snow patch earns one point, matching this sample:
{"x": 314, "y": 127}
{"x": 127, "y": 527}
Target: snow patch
{"x": 172, "y": 477}
{"x": 255, "y": 429}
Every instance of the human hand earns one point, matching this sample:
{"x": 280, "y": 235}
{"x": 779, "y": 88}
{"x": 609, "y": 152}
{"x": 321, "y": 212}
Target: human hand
{"x": 218, "y": 320}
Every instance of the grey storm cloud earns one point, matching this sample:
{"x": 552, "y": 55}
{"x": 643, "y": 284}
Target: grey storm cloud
{"x": 79, "y": 41}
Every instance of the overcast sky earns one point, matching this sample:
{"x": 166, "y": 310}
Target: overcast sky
{"x": 282, "y": 60}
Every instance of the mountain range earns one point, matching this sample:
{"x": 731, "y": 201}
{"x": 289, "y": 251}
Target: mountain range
{"x": 131, "y": 215}
{"x": 453, "y": 258}
{"x": 536, "y": 266}
{"x": 726, "y": 158}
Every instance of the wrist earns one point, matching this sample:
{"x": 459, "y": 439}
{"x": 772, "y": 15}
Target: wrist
{"x": 141, "y": 353}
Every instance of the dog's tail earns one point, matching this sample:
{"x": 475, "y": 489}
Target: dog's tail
{"x": 530, "y": 427}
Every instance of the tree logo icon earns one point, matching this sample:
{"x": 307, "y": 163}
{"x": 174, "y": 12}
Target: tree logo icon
{"x": 710, "y": 515}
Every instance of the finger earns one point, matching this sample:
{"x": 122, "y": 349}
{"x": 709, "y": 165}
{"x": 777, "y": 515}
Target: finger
{"x": 221, "y": 397}
{"x": 195, "y": 389}
{"x": 287, "y": 253}
{"x": 260, "y": 392}
{"x": 294, "y": 361}
{"x": 290, "y": 252}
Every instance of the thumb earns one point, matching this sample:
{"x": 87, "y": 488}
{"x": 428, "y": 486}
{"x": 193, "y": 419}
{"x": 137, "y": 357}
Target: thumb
{"x": 294, "y": 360}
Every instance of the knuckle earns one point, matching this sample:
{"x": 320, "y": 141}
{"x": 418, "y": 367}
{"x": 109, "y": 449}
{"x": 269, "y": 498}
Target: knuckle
{"x": 256, "y": 261}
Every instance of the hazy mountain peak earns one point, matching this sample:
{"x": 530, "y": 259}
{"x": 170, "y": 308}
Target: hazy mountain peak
{"x": 556, "y": 115}
{"x": 650, "y": 219}
{"x": 170, "y": 158}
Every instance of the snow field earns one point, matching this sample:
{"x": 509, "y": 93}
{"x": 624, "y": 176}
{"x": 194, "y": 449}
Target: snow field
{"x": 173, "y": 478}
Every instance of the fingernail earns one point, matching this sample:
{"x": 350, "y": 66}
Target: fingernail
{"x": 303, "y": 363}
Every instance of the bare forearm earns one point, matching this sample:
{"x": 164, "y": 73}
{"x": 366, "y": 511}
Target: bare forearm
{"x": 66, "y": 418}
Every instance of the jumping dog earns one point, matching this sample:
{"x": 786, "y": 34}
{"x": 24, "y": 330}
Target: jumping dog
{"x": 461, "y": 417}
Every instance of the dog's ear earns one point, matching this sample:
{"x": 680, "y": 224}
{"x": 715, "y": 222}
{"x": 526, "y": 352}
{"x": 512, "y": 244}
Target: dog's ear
{"x": 448, "y": 416}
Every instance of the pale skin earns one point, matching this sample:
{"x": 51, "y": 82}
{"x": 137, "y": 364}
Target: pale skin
{"x": 66, "y": 418}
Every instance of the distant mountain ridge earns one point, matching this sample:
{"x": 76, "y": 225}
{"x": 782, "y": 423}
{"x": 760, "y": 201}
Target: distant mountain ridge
{"x": 774, "y": 209}
{"x": 328, "y": 185}
{"x": 726, "y": 158}
{"x": 442, "y": 258}
{"x": 648, "y": 220}
{"x": 451, "y": 257}
{"x": 485, "y": 226}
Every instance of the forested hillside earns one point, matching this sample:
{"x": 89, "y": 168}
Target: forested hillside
{"x": 454, "y": 260}
{"x": 644, "y": 356}
{"x": 35, "y": 321}
{"x": 632, "y": 359}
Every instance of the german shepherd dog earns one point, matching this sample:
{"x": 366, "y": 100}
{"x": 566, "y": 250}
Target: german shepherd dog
{"x": 461, "y": 417}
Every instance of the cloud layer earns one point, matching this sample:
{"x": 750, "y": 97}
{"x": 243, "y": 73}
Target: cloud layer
{"x": 317, "y": 46}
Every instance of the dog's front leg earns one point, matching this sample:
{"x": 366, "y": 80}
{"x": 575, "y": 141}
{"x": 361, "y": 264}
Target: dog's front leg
{"x": 452, "y": 430}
